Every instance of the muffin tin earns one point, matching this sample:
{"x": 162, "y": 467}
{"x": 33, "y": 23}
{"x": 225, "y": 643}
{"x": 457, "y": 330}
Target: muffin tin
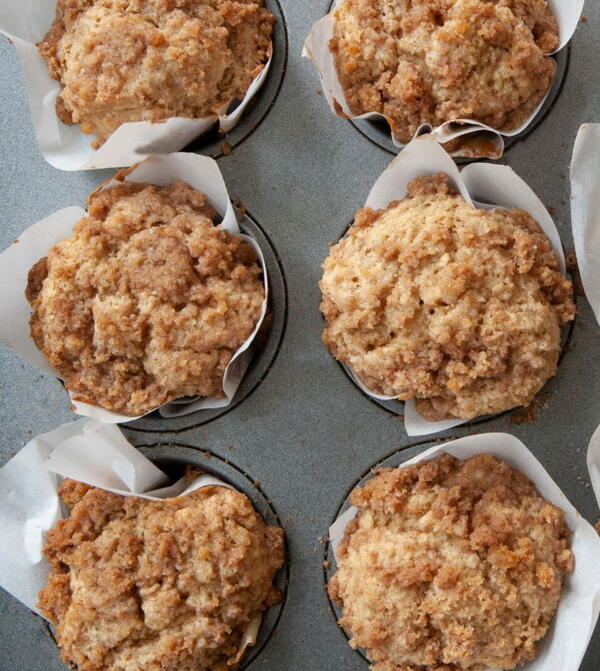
{"x": 305, "y": 433}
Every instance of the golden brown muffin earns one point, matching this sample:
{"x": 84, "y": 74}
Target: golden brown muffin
{"x": 431, "y": 61}
{"x": 158, "y": 585}
{"x": 457, "y": 307}
{"x": 148, "y": 60}
{"x": 450, "y": 566}
{"x": 147, "y": 301}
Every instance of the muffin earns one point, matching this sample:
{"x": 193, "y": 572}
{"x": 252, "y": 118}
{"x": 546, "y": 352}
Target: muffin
{"x": 147, "y": 301}
{"x": 457, "y": 307}
{"x": 154, "y": 585}
{"x": 433, "y": 61}
{"x": 148, "y": 60}
{"x": 450, "y": 565}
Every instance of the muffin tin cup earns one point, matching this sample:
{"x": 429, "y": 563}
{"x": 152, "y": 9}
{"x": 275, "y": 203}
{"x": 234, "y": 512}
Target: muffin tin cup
{"x": 565, "y": 643}
{"x": 479, "y": 140}
{"x": 67, "y": 147}
{"x": 89, "y": 452}
{"x": 200, "y": 172}
{"x": 484, "y": 185}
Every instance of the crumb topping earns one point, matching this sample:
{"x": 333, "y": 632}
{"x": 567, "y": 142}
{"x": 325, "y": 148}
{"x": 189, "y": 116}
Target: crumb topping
{"x": 147, "y": 60}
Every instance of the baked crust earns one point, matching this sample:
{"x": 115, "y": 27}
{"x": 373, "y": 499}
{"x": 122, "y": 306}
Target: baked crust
{"x": 147, "y": 301}
{"x": 148, "y": 60}
{"x": 450, "y": 566}
{"x": 157, "y": 585}
{"x": 457, "y": 307}
{"x": 433, "y": 61}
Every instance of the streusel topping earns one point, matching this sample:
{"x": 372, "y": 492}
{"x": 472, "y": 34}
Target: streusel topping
{"x": 154, "y": 585}
{"x": 147, "y": 60}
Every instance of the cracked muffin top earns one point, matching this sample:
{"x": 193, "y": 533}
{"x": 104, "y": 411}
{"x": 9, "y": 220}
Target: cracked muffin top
{"x": 450, "y": 566}
{"x": 457, "y": 307}
{"x": 431, "y": 61}
{"x": 155, "y": 585}
{"x": 148, "y": 60}
{"x": 147, "y": 301}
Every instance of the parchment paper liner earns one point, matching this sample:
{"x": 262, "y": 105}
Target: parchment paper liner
{"x": 566, "y": 641}
{"x": 201, "y": 173}
{"x": 66, "y": 147}
{"x": 485, "y": 186}
{"x": 316, "y": 49}
{"x": 585, "y": 210}
{"x": 89, "y": 452}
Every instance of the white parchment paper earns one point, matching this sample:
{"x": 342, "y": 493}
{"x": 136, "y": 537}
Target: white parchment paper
{"x": 201, "y": 173}
{"x": 485, "y": 186}
{"x": 585, "y": 210}
{"x": 564, "y": 646}
{"x": 25, "y": 23}
{"x": 316, "y": 49}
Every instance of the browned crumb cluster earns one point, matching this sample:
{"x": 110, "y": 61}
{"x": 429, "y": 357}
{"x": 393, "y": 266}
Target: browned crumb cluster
{"x": 147, "y": 301}
{"x": 457, "y": 307}
{"x": 157, "y": 585}
{"x": 451, "y": 566}
{"x": 147, "y": 60}
{"x": 433, "y": 61}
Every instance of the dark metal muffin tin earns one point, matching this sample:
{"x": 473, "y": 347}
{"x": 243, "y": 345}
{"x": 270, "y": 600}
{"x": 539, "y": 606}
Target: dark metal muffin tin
{"x": 305, "y": 433}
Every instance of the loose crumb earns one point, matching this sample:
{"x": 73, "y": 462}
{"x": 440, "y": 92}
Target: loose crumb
{"x": 530, "y": 412}
{"x": 573, "y": 268}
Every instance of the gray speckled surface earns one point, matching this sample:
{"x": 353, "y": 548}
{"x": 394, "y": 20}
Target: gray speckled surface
{"x": 306, "y": 433}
